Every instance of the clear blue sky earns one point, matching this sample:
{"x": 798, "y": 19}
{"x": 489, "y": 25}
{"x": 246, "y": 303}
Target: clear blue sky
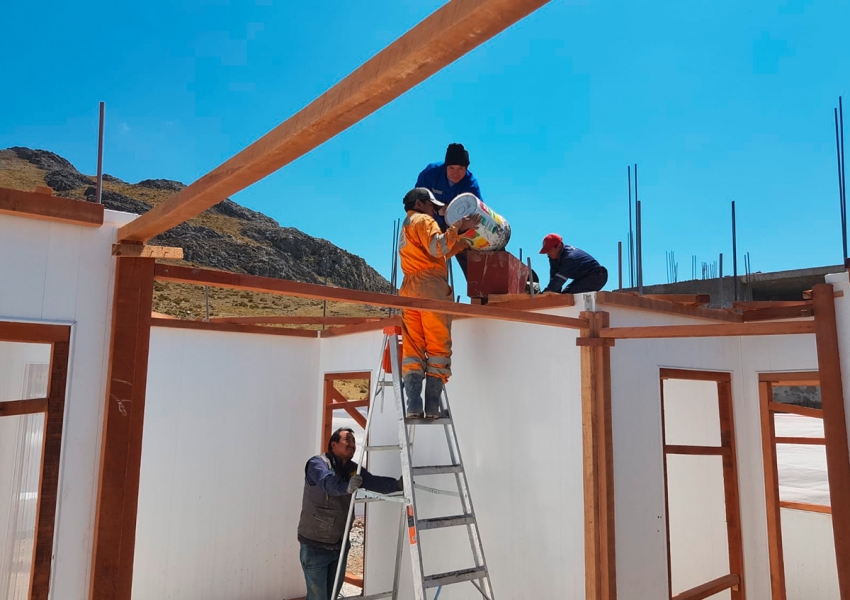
{"x": 716, "y": 101}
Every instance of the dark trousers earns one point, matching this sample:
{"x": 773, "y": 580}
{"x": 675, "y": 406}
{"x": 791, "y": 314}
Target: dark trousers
{"x": 591, "y": 282}
{"x": 319, "y": 567}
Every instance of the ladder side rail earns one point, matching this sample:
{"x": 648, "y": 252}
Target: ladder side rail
{"x": 398, "y": 552}
{"x": 350, "y": 518}
{"x": 466, "y": 498}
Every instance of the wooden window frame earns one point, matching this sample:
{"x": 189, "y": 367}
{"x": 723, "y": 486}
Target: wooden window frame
{"x": 53, "y": 408}
{"x": 733, "y": 581}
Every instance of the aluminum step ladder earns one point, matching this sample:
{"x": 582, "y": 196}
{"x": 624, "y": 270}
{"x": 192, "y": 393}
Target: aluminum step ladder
{"x": 409, "y": 522}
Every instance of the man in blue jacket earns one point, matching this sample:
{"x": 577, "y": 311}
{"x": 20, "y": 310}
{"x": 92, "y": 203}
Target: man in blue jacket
{"x": 330, "y": 480}
{"x": 566, "y": 262}
{"x": 447, "y": 180}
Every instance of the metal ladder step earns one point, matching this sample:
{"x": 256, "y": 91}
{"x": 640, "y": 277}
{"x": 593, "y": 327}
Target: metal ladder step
{"x": 436, "y": 469}
{"x": 382, "y": 448}
{"x": 445, "y": 419}
{"x": 439, "y": 522}
{"x": 432, "y": 581}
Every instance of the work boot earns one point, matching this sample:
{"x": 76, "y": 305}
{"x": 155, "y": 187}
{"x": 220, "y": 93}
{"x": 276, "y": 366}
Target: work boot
{"x": 433, "y": 395}
{"x": 413, "y": 391}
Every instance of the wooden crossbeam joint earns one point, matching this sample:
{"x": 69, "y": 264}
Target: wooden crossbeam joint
{"x": 595, "y": 342}
{"x": 144, "y": 251}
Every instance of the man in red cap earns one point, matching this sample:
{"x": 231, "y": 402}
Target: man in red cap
{"x": 566, "y": 262}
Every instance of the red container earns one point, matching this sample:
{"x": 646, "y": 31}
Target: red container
{"x": 494, "y": 273}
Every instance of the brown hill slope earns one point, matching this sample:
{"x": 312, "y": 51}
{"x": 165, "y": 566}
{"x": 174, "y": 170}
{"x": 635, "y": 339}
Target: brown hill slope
{"x": 227, "y": 236}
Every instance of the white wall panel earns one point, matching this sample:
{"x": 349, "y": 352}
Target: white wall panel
{"x": 809, "y": 552}
{"x": 222, "y": 469}
{"x": 60, "y": 273}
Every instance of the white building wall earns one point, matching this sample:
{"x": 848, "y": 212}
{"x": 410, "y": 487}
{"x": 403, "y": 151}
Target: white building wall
{"x": 61, "y": 273}
{"x": 222, "y": 475}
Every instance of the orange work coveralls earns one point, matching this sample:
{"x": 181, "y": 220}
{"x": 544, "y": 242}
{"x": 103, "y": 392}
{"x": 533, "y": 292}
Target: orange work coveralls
{"x": 426, "y": 336}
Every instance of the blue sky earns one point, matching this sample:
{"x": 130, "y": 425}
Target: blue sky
{"x": 716, "y": 101}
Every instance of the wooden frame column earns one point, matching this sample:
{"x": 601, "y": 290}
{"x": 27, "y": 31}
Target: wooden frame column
{"x": 121, "y": 446}
{"x": 597, "y": 439}
{"x": 835, "y": 429}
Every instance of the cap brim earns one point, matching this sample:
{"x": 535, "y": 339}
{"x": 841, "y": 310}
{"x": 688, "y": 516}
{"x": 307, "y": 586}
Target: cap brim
{"x": 543, "y": 250}
{"x": 436, "y": 202}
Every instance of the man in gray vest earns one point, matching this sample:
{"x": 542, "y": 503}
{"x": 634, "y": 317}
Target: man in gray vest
{"x": 330, "y": 480}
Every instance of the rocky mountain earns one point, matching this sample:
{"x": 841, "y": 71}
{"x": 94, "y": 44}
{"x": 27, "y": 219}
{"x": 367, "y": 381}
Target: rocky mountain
{"x": 227, "y": 236}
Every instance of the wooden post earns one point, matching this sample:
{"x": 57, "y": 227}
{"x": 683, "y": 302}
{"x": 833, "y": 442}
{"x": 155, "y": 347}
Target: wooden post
{"x": 121, "y": 445}
{"x": 835, "y": 429}
{"x": 597, "y": 436}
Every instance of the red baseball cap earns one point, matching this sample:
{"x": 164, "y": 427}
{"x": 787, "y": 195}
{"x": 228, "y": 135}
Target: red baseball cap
{"x": 550, "y": 241}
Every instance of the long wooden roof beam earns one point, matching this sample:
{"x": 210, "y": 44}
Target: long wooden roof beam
{"x": 444, "y": 36}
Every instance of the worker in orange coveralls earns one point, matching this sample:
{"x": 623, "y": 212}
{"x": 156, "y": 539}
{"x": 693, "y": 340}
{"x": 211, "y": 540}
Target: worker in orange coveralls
{"x": 426, "y": 336}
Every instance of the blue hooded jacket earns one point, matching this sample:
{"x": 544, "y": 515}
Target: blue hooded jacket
{"x": 434, "y": 178}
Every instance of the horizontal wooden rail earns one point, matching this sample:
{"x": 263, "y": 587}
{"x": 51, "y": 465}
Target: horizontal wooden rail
{"x": 707, "y": 590}
{"x": 785, "y": 378}
{"x": 778, "y": 312}
{"x": 293, "y": 320}
{"x": 45, "y": 207}
{"x": 33, "y": 333}
{"x": 233, "y": 328}
{"x": 254, "y": 283}
{"x": 818, "y": 508}
{"x": 697, "y": 450}
{"x": 349, "y": 375}
{"x": 441, "y": 38}
{"x": 801, "y": 441}
{"x": 11, "y": 408}
{"x": 361, "y": 327}
{"x": 666, "y": 306}
{"x": 714, "y": 330}
{"x": 793, "y": 409}
{"x": 339, "y": 405}
{"x": 690, "y": 375}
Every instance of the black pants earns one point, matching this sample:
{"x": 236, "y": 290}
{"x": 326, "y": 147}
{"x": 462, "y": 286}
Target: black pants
{"x": 593, "y": 281}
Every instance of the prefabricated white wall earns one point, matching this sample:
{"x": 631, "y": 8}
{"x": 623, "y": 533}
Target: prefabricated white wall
{"x": 62, "y": 273}
{"x": 228, "y": 418}
{"x": 808, "y": 548}
{"x": 14, "y": 357}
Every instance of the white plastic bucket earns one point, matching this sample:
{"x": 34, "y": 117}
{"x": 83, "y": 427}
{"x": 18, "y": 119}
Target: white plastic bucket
{"x": 493, "y": 233}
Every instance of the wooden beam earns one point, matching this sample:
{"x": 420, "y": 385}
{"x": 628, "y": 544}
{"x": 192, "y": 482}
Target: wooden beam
{"x": 706, "y": 590}
{"x": 11, "y": 408}
{"x": 778, "y": 312}
{"x": 253, "y": 283}
{"x": 803, "y": 441}
{"x": 33, "y": 333}
{"x": 834, "y": 428}
{"x": 818, "y": 508}
{"x": 293, "y": 320}
{"x": 696, "y": 450}
{"x": 441, "y": 38}
{"x": 361, "y": 327}
{"x": 734, "y": 535}
{"x": 145, "y": 251}
{"x": 687, "y": 299}
{"x": 757, "y": 304}
{"x": 598, "y": 458}
{"x": 791, "y": 377}
{"x": 726, "y": 329}
{"x": 338, "y": 401}
{"x": 233, "y": 328}
{"x": 692, "y": 375}
{"x": 121, "y": 446}
{"x": 793, "y": 409}
{"x": 775, "y": 552}
{"x": 48, "y": 495}
{"x": 582, "y": 341}
{"x": 348, "y": 375}
{"x": 665, "y": 306}
{"x": 35, "y": 205}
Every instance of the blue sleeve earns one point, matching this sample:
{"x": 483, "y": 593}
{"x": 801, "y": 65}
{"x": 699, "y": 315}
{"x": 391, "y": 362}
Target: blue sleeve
{"x": 318, "y": 473}
{"x": 376, "y": 483}
{"x": 556, "y": 278}
{"x": 422, "y": 180}
{"x": 475, "y": 189}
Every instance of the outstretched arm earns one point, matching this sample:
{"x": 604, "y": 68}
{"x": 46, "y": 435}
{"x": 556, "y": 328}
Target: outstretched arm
{"x": 318, "y": 473}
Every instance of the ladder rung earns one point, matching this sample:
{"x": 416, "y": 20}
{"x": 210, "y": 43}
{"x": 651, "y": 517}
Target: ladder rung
{"x": 386, "y": 383}
{"x": 444, "y": 419}
{"x": 439, "y": 522}
{"x": 436, "y": 469}
{"x": 432, "y": 581}
{"x": 382, "y": 448}
{"x": 374, "y": 596}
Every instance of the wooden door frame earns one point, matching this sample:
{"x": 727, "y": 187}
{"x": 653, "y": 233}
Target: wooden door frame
{"x": 53, "y": 408}
{"x": 734, "y": 581}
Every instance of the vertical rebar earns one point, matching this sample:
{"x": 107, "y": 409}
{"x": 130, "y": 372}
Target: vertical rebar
{"x": 620, "y": 264}
{"x": 720, "y": 280}
{"x": 734, "y": 253}
{"x": 843, "y": 178}
{"x": 631, "y": 233}
{"x": 639, "y": 245}
{"x": 99, "y": 188}
{"x": 841, "y": 206}
{"x": 530, "y": 278}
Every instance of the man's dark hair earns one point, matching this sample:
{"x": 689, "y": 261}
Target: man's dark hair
{"x": 335, "y": 436}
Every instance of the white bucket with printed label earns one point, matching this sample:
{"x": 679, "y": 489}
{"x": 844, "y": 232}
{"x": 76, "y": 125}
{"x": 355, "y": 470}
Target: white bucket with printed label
{"x": 493, "y": 233}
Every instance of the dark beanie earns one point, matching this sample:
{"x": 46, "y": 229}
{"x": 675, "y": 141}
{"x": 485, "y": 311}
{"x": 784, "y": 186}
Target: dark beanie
{"x": 456, "y": 154}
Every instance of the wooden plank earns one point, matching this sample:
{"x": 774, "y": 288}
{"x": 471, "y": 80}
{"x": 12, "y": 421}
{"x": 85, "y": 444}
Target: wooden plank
{"x": 33, "y": 333}
{"x": 145, "y": 251}
{"x": 35, "y": 205}
{"x": 707, "y": 590}
{"x": 666, "y": 491}
{"x": 752, "y": 305}
{"x": 696, "y": 450}
{"x": 791, "y": 377}
{"x": 540, "y": 302}
{"x": 818, "y": 508}
{"x": 687, "y": 299}
{"x": 834, "y": 428}
{"x": 10, "y": 408}
{"x": 693, "y": 375}
{"x": 233, "y": 328}
{"x": 348, "y": 375}
{"x": 293, "y": 320}
{"x": 340, "y": 402}
{"x": 771, "y": 492}
{"x": 793, "y": 409}
{"x": 361, "y": 327}
{"x": 665, "y": 306}
{"x": 805, "y": 441}
{"x": 441, "y": 38}
{"x": 121, "y": 448}
{"x": 734, "y": 534}
{"x": 725, "y": 329}
{"x": 608, "y": 343}
{"x": 238, "y": 281}
{"x": 778, "y": 312}
{"x": 48, "y": 495}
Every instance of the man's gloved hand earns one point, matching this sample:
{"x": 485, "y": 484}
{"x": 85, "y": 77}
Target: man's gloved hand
{"x": 354, "y": 483}
{"x": 400, "y": 484}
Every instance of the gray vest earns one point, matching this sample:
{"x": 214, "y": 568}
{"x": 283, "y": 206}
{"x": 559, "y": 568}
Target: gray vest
{"x": 322, "y": 515}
